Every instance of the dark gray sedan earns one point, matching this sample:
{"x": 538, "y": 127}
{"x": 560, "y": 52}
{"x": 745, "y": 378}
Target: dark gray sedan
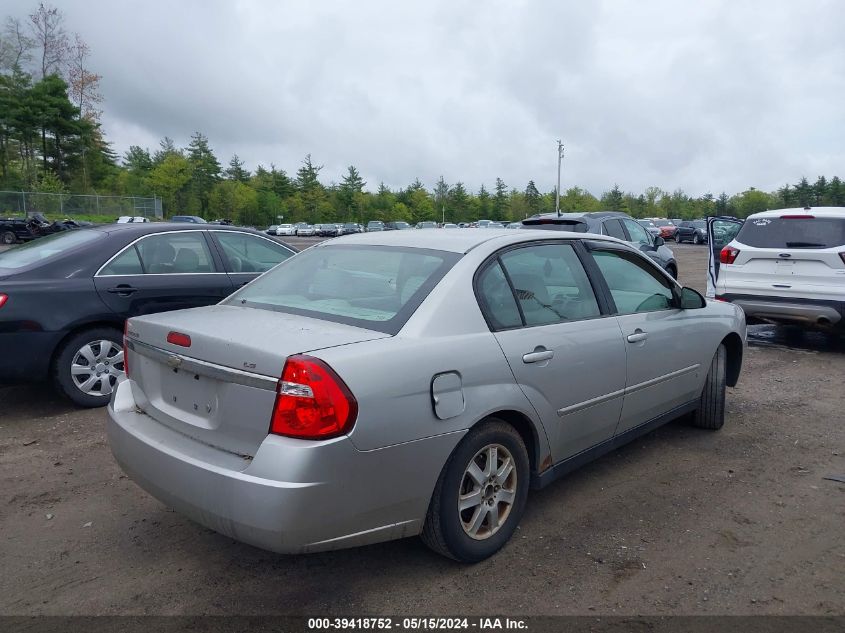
{"x": 615, "y": 224}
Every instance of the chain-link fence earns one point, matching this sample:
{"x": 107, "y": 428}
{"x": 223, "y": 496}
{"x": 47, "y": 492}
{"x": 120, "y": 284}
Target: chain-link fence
{"x": 70, "y": 205}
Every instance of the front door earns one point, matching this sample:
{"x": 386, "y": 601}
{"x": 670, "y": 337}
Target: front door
{"x": 565, "y": 353}
{"x": 245, "y": 255}
{"x": 162, "y": 272}
{"x": 662, "y": 370}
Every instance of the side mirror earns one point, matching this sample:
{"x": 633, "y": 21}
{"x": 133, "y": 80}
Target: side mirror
{"x": 691, "y": 299}
{"x": 659, "y": 241}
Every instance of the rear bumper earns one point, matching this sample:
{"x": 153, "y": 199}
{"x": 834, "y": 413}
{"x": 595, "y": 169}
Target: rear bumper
{"x": 293, "y": 496}
{"x": 806, "y": 312}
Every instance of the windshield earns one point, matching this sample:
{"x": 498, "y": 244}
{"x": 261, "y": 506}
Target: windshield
{"x": 374, "y": 287}
{"x": 793, "y": 232}
{"x": 700, "y": 224}
{"x": 646, "y": 222}
{"x": 46, "y": 247}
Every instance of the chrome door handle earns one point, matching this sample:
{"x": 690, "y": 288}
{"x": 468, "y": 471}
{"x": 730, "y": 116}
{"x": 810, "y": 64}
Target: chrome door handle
{"x": 637, "y": 336}
{"x": 539, "y": 354}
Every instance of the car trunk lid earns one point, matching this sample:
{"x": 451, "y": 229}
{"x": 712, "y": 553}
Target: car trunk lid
{"x": 220, "y": 389}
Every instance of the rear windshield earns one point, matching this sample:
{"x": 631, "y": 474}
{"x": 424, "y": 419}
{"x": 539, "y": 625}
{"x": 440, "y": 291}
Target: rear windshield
{"x": 46, "y": 248}
{"x": 374, "y": 287}
{"x": 576, "y": 226}
{"x": 793, "y": 232}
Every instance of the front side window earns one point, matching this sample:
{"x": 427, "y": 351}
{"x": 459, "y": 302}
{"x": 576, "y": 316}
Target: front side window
{"x": 374, "y": 287}
{"x": 637, "y": 232}
{"x": 550, "y": 284}
{"x": 634, "y": 286}
{"x": 182, "y": 252}
{"x": 249, "y": 253}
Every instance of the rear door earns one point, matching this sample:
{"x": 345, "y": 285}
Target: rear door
{"x": 245, "y": 255}
{"x": 565, "y": 352}
{"x": 662, "y": 367}
{"x": 720, "y": 232}
{"x": 163, "y": 272}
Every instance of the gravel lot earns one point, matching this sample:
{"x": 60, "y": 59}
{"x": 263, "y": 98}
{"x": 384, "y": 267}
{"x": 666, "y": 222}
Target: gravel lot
{"x": 682, "y": 521}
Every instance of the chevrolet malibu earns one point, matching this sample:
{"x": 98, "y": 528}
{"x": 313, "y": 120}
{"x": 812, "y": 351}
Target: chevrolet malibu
{"x": 404, "y": 383}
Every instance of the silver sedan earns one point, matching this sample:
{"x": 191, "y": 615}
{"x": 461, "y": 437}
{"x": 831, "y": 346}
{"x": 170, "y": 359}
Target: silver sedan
{"x": 404, "y": 383}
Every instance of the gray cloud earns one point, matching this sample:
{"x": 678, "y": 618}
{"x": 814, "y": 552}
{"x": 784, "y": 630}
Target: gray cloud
{"x": 706, "y": 96}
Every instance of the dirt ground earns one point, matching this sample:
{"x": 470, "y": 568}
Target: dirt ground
{"x": 680, "y": 522}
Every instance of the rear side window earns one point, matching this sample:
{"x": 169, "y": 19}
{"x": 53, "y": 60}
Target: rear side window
{"x": 793, "y": 232}
{"x": 613, "y": 228}
{"x": 180, "y": 252}
{"x": 550, "y": 284}
{"x": 374, "y": 287}
{"x": 496, "y": 298}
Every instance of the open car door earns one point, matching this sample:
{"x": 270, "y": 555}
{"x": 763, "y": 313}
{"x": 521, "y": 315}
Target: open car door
{"x": 720, "y": 231}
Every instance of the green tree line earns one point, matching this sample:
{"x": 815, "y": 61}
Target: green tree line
{"x": 51, "y": 140}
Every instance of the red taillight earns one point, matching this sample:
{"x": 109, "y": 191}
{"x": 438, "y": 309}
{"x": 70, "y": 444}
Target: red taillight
{"x": 312, "y": 402}
{"x": 177, "y": 338}
{"x": 728, "y": 255}
{"x": 125, "y": 349}
{"x": 797, "y": 217}
{"x": 3, "y": 299}
{"x": 719, "y": 298}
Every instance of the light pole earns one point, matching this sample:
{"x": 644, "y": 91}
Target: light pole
{"x": 557, "y": 191}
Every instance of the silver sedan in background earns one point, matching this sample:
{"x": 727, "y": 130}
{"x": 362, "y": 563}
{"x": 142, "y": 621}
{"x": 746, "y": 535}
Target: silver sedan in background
{"x": 404, "y": 383}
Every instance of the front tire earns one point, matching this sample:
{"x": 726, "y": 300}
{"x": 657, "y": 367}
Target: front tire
{"x": 8, "y": 238}
{"x": 88, "y": 365}
{"x": 480, "y": 495}
{"x": 696, "y": 239}
{"x": 711, "y": 408}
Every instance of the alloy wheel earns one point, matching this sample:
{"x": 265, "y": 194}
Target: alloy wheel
{"x": 96, "y": 366}
{"x": 487, "y": 492}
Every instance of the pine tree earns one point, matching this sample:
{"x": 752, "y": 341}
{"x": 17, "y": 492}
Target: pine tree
{"x": 820, "y": 191}
{"x": 804, "y": 193}
{"x": 205, "y": 170}
{"x": 532, "y": 197}
{"x": 613, "y": 200}
{"x": 500, "y": 200}
{"x": 236, "y": 170}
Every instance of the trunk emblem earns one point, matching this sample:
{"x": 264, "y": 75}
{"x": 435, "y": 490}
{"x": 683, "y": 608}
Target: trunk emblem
{"x": 174, "y": 361}
{"x": 784, "y": 255}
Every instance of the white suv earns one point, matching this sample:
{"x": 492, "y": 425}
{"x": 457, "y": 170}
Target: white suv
{"x": 786, "y": 266}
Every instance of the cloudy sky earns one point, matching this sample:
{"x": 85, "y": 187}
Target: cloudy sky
{"x": 706, "y": 96}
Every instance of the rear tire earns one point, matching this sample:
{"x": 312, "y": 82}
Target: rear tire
{"x": 711, "y": 408}
{"x": 88, "y": 365}
{"x": 493, "y": 497}
{"x": 8, "y": 238}
{"x": 673, "y": 272}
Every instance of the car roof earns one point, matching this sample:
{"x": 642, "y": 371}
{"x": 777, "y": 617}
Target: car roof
{"x": 143, "y": 228}
{"x": 594, "y": 215}
{"x": 456, "y": 241}
{"x": 823, "y": 212}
